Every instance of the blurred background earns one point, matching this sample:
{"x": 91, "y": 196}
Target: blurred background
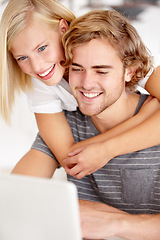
{"x": 17, "y": 138}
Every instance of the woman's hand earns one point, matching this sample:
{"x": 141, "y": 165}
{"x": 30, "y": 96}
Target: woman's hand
{"x": 87, "y": 159}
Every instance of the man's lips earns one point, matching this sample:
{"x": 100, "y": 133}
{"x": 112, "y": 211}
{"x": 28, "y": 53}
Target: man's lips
{"x": 90, "y": 95}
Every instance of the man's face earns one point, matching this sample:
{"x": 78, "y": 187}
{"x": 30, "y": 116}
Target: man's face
{"x": 96, "y": 77}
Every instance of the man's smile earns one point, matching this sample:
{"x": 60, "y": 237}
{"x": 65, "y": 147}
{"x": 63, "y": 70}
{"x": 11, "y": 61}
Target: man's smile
{"x": 91, "y": 95}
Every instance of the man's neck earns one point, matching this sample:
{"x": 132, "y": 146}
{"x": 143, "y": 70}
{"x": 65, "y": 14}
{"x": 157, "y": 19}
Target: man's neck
{"x": 117, "y": 113}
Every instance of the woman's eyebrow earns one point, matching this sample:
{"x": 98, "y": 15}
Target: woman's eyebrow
{"x": 38, "y": 45}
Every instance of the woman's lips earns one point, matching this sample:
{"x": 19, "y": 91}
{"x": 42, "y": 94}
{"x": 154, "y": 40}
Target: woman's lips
{"x": 47, "y": 74}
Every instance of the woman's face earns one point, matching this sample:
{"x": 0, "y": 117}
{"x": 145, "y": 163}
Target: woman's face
{"x": 38, "y": 51}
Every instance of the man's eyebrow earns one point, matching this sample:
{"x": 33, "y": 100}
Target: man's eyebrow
{"x": 101, "y": 66}
{"x": 76, "y": 65}
{"x": 94, "y": 67}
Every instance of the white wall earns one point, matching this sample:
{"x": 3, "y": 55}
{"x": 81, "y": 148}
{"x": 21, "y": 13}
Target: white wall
{"x": 15, "y": 140}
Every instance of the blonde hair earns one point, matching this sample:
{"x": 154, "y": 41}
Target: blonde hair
{"x": 14, "y": 19}
{"x": 119, "y": 32}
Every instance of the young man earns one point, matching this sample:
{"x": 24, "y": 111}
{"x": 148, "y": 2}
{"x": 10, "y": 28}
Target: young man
{"x": 107, "y": 56}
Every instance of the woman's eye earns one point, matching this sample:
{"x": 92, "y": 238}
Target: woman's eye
{"x": 42, "y": 48}
{"x": 21, "y": 58}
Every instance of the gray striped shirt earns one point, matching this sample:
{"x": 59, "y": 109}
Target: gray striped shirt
{"x": 130, "y": 182}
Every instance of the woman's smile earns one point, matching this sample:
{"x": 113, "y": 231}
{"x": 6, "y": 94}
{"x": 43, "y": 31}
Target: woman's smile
{"x": 47, "y": 74}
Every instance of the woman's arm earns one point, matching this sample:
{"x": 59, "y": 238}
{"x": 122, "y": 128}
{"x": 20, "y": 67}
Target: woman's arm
{"x": 56, "y": 133}
{"x": 94, "y": 152}
{"x": 139, "y": 132}
{"x": 88, "y": 157}
{"x": 36, "y": 163}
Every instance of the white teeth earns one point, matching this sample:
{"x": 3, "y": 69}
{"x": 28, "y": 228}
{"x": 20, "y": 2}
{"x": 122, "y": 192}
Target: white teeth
{"x": 46, "y": 73}
{"x": 91, "y": 95}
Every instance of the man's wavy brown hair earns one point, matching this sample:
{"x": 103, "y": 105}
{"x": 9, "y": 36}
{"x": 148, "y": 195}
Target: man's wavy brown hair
{"x": 118, "y": 31}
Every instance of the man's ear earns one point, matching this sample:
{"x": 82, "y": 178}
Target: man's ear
{"x": 63, "y": 26}
{"x": 129, "y": 72}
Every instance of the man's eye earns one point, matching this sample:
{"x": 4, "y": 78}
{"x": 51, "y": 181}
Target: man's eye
{"x": 76, "y": 69}
{"x": 21, "y": 58}
{"x": 42, "y": 48}
{"x": 101, "y": 72}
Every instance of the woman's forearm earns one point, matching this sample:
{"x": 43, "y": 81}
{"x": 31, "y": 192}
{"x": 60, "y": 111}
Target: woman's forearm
{"x": 142, "y": 136}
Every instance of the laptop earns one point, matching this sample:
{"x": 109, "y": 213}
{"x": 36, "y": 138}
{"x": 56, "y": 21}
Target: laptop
{"x": 38, "y": 209}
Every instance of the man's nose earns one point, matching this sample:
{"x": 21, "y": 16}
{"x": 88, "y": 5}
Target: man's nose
{"x": 87, "y": 80}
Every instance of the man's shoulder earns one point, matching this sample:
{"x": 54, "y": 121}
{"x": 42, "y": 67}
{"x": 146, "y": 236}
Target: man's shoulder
{"x": 75, "y": 114}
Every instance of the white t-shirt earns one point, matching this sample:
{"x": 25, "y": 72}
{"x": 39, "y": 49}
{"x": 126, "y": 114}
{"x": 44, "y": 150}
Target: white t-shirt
{"x": 143, "y": 81}
{"x": 50, "y": 99}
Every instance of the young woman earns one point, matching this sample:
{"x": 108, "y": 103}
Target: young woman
{"x": 30, "y": 46}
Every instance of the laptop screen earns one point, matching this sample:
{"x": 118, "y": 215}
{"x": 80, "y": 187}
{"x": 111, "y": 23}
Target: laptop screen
{"x": 38, "y": 209}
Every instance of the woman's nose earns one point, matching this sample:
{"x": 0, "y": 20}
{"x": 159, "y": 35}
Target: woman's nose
{"x": 37, "y": 64}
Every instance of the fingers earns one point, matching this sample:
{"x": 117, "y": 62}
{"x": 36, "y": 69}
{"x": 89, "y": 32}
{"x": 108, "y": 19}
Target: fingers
{"x": 70, "y": 162}
{"x": 77, "y": 166}
{"x": 75, "y": 171}
{"x": 75, "y": 152}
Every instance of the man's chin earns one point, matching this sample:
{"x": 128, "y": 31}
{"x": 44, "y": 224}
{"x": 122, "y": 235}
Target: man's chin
{"x": 87, "y": 111}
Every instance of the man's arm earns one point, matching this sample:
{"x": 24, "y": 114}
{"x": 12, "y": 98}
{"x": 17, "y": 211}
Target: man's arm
{"x": 100, "y": 221}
